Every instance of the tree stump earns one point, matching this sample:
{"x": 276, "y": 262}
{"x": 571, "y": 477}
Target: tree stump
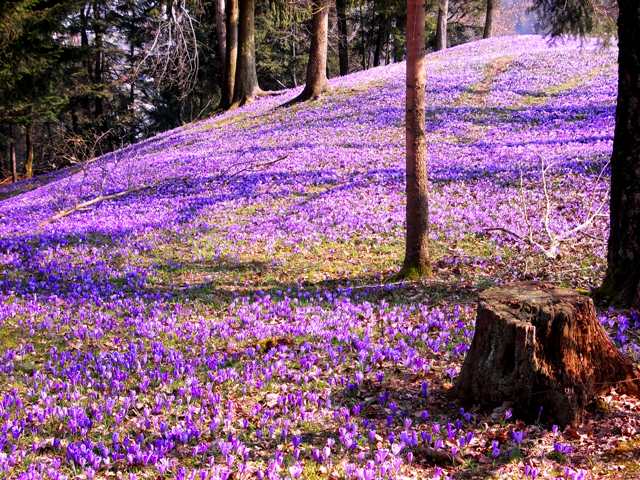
{"x": 543, "y": 349}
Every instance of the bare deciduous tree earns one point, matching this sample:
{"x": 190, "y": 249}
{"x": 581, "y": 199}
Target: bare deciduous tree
{"x": 173, "y": 53}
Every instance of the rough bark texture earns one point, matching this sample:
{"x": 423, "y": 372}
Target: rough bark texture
{"x": 343, "y": 36}
{"x": 416, "y": 261}
{"x": 221, "y": 31}
{"x": 621, "y": 285}
{"x": 441, "y": 30}
{"x": 28, "y": 163}
{"x": 543, "y": 349}
{"x": 316, "y": 82}
{"x": 231, "y": 52}
{"x": 246, "y": 85}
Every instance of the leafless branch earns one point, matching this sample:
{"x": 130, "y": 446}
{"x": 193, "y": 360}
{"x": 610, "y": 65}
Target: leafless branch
{"x": 550, "y": 247}
{"x": 89, "y": 203}
{"x": 227, "y": 176}
{"x": 173, "y": 54}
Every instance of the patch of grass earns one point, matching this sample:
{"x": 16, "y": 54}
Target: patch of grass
{"x": 356, "y": 90}
{"x": 312, "y": 472}
{"x": 542, "y": 97}
{"x": 9, "y": 336}
{"x": 476, "y": 95}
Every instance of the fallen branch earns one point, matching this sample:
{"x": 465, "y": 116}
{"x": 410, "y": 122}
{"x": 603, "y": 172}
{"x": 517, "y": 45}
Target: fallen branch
{"x": 89, "y": 203}
{"x": 248, "y": 167}
{"x": 593, "y": 237}
{"x": 549, "y": 253}
{"x": 273, "y": 93}
{"x": 437, "y": 456}
{"x": 508, "y": 232}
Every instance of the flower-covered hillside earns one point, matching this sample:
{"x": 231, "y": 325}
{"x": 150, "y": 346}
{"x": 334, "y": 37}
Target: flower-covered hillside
{"x": 216, "y": 302}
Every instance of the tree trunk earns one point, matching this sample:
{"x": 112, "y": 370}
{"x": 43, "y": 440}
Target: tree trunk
{"x": 621, "y": 285}
{"x": 543, "y": 349}
{"x": 363, "y": 34}
{"x": 132, "y": 66}
{"x": 231, "y": 52}
{"x": 12, "y": 158}
{"x": 246, "y": 86}
{"x": 99, "y": 58}
{"x": 88, "y": 65}
{"x": 398, "y": 47}
{"x": 316, "y": 82}
{"x": 221, "y": 31}
{"x": 294, "y": 55}
{"x": 343, "y": 36}
{"x": 416, "y": 261}
{"x": 5, "y": 162}
{"x": 441, "y": 30}
{"x": 380, "y": 38}
{"x": 387, "y": 49}
{"x": 488, "y": 21}
{"x": 28, "y": 163}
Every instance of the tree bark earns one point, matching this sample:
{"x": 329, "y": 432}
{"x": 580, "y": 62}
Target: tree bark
{"x": 246, "y": 85}
{"x": 99, "y": 58}
{"x": 543, "y": 349}
{"x": 398, "y": 47}
{"x": 441, "y": 30}
{"x": 28, "y": 163}
{"x": 343, "y": 36}
{"x": 294, "y": 55}
{"x": 221, "y": 31}
{"x": 621, "y": 285}
{"x": 363, "y": 35}
{"x": 488, "y": 21}
{"x": 317, "y": 82}
{"x": 416, "y": 261}
{"x": 88, "y": 65}
{"x": 12, "y": 159}
{"x": 231, "y": 52}
{"x": 380, "y": 39}
{"x": 5, "y": 161}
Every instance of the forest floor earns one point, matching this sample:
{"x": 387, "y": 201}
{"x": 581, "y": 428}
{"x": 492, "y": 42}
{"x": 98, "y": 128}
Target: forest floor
{"x": 221, "y": 301}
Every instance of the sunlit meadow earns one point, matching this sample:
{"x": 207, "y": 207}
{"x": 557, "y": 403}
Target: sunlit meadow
{"x": 229, "y": 310}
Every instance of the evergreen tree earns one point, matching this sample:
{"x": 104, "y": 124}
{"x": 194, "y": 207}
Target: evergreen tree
{"x": 31, "y": 58}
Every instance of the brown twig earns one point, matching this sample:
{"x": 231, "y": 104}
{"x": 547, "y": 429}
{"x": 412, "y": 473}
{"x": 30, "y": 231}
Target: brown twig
{"x": 437, "y": 456}
{"x": 508, "y": 232}
{"x": 248, "y": 167}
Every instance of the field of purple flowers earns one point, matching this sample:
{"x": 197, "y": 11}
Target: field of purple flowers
{"x": 218, "y": 302}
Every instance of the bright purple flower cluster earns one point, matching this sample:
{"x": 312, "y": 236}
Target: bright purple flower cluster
{"x": 103, "y": 370}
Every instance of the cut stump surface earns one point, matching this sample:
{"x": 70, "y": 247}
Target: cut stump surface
{"x": 543, "y": 349}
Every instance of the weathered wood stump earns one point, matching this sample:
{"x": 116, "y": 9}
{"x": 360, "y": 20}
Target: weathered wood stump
{"x": 543, "y": 349}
